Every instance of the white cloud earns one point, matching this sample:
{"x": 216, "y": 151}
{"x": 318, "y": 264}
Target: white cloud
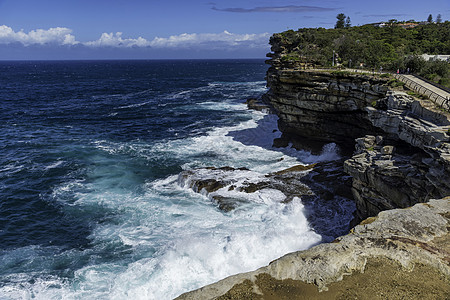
{"x": 116, "y": 40}
{"x": 212, "y": 40}
{"x": 63, "y": 36}
{"x": 58, "y": 35}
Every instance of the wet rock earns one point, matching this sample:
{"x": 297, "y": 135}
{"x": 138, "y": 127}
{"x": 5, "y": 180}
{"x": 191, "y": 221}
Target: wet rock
{"x": 231, "y": 187}
{"x": 257, "y": 104}
{"x": 209, "y": 185}
{"x": 297, "y": 168}
{"x": 227, "y": 204}
{"x": 250, "y": 187}
{"x": 387, "y": 150}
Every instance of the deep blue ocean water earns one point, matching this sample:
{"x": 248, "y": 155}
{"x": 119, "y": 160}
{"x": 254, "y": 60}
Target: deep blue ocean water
{"x": 90, "y": 202}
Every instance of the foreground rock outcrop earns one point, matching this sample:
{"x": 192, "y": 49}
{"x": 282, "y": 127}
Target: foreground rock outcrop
{"x": 408, "y": 164}
{"x": 400, "y": 254}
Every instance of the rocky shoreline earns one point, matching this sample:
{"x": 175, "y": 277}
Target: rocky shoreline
{"x": 400, "y": 181}
{"x": 400, "y": 254}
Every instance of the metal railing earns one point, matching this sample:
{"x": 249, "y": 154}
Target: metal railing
{"x": 433, "y": 83}
{"x": 442, "y": 102}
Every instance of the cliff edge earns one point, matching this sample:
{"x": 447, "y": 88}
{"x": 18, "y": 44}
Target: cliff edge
{"x": 402, "y": 151}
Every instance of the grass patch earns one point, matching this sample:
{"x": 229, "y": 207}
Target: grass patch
{"x": 341, "y": 73}
{"x": 395, "y": 83}
{"x": 291, "y": 57}
{"x": 420, "y": 96}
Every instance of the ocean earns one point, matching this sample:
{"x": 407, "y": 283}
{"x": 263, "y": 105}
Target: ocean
{"x": 92, "y": 203}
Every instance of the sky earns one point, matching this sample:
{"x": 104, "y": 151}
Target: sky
{"x": 178, "y": 29}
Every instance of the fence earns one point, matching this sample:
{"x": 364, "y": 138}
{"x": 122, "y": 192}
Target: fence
{"x": 442, "y": 102}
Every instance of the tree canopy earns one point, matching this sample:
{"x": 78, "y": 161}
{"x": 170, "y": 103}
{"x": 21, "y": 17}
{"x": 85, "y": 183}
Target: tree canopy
{"x": 388, "y": 47}
{"x": 340, "y": 23}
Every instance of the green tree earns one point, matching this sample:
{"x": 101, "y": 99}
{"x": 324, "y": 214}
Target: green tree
{"x": 415, "y": 63}
{"x": 439, "y": 18}
{"x": 348, "y": 23}
{"x": 430, "y": 18}
{"x": 437, "y": 67}
{"x": 340, "y": 23}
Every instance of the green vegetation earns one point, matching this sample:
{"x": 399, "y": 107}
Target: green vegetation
{"x": 414, "y": 94}
{"x": 340, "y": 23}
{"x": 291, "y": 57}
{"x": 341, "y": 73}
{"x": 395, "y": 83}
{"x": 391, "y": 47}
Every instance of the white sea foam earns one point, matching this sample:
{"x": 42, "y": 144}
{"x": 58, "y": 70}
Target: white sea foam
{"x": 172, "y": 239}
{"x": 134, "y": 105}
{"x": 54, "y": 165}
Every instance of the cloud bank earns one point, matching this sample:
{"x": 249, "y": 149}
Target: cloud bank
{"x": 57, "y": 36}
{"x": 385, "y": 16}
{"x": 61, "y": 36}
{"x": 275, "y": 9}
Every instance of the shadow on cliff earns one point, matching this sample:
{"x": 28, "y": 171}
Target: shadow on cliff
{"x": 330, "y": 208}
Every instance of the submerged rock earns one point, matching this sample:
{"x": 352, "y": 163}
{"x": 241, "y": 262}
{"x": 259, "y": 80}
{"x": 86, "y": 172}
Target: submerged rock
{"x": 298, "y": 168}
{"x": 231, "y": 187}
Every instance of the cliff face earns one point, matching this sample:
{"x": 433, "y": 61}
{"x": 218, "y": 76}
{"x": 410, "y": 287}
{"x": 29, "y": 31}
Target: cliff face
{"x": 415, "y": 170}
{"x": 402, "y": 152}
{"x": 322, "y": 105}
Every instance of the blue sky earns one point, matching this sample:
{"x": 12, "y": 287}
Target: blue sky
{"x": 96, "y": 29}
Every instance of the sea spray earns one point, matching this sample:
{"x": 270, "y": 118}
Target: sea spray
{"x": 90, "y": 180}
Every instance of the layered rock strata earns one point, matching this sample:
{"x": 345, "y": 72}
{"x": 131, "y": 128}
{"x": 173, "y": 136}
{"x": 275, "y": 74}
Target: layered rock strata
{"x": 341, "y": 106}
{"x": 401, "y": 254}
{"x": 323, "y": 105}
{"x": 409, "y": 165}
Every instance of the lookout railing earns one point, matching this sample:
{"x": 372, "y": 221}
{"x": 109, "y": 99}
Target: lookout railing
{"x": 439, "y": 100}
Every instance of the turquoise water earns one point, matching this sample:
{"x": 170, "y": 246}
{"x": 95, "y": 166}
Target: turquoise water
{"x": 91, "y": 205}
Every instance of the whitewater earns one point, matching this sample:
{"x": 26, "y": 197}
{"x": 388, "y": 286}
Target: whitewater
{"x": 143, "y": 233}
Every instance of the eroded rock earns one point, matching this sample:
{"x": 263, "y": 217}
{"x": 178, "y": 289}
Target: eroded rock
{"x": 231, "y": 187}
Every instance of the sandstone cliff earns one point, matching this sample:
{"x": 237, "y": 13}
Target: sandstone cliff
{"x": 402, "y": 153}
